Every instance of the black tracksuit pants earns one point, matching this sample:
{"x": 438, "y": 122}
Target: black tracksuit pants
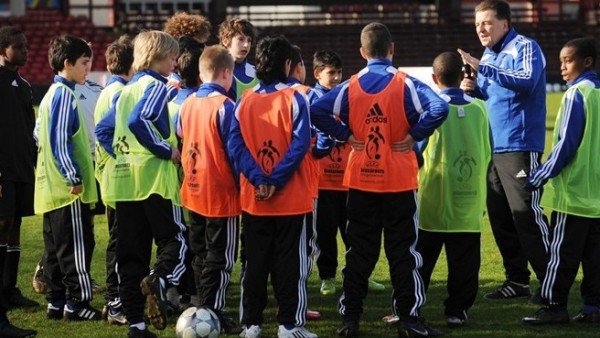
{"x": 575, "y": 240}
{"x": 68, "y": 238}
{"x": 518, "y": 223}
{"x": 111, "y": 296}
{"x": 275, "y": 245}
{"x": 463, "y": 258}
{"x": 139, "y": 222}
{"x": 214, "y": 245}
{"x": 331, "y": 216}
{"x": 394, "y": 214}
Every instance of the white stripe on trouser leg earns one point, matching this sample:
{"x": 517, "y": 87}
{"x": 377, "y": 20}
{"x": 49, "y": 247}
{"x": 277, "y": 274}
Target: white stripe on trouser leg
{"x": 79, "y": 251}
{"x": 13, "y": 248}
{"x": 229, "y": 253}
{"x": 241, "y": 309}
{"x": 303, "y": 273}
{"x": 180, "y": 267}
{"x": 314, "y": 248}
{"x": 419, "y": 286}
{"x": 535, "y": 204}
{"x": 559, "y": 233}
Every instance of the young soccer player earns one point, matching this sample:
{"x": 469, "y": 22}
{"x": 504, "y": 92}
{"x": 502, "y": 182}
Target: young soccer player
{"x": 571, "y": 180}
{"x": 17, "y": 161}
{"x": 209, "y": 189}
{"x": 144, "y": 185}
{"x": 270, "y": 136}
{"x": 381, "y": 175}
{"x": 65, "y": 185}
{"x": 452, "y": 190}
{"x": 187, "y": 62}
{"x": 188, "y": 25}
{"x": 296, "y": 79}
{"x": 237, "y": 35}
{"x": 87, "y": 95}
{"x": 119, "y": 58}
{"x": 331, "y": 209}
{"x": 179, "y": 297}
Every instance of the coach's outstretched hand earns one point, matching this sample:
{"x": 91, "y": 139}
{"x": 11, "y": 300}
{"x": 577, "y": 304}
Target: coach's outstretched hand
{"x": 468, "y": 59}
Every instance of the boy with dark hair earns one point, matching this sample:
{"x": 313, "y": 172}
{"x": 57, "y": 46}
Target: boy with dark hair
{"x": 17, "y": 160}
{"x": 296, "y": 78}
{"x": 237, "y": 35}
{"x": 187, "y": 62}
{"x": 327, "y": 69}
{"x": 381, "y": 175}
{"x": 17, "y": 157}
{"x": 65, "y": 185}
{"x": 190, "y": 49}
{"x": 270, "y": 136}
{"x": 209, "y": 188}
{"x": 571, "y": 180}
{"x": 144, "y": 185}
{"x": 452, "y": 190}
{"x": 119, "y": 58}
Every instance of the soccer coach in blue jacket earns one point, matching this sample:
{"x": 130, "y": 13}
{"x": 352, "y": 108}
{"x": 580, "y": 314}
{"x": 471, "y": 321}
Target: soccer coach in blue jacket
{"x": 511, "y": 78}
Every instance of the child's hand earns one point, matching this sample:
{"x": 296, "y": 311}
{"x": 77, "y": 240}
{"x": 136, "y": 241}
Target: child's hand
{"x": 264, "y": 192}
{"x": 270, "y": 191}
{"x": 76, "y": 190}
{"x": 405, "y": 145}
{"x": 175, "y": 155}
{"x": 356, "y": 144}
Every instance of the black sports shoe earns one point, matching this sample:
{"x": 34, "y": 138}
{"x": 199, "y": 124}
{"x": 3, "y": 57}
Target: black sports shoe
{"x": 16, "y": 299}
{"x": 11, "y": 331}
{"x": 457, "y": 320}
{"x": 55, "y": 311}
{"x": 418, "y": 328}
{"x": 137, "y": 333}
{"x": 509, "y": 290}
{"x": 548, "y": 315}
{"x": 153, "y": 287}
{"x": 589, "y": 318}
{"x": 349, "y": 328}
{"x": 228, "y": 324}
{"x": 82, "y": 312}
{"x": 537, "y": 298}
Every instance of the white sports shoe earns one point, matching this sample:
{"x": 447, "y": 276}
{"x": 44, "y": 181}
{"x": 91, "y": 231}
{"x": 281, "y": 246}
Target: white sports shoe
{"x": 251, "y": 332}
{"x": 296, "y": 332}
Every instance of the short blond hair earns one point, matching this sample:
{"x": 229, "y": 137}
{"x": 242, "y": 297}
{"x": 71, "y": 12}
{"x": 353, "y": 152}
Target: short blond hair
{"x": 152, "y": 46}
{"x": 213, "y": 60}
{"x": 184, "y": 24}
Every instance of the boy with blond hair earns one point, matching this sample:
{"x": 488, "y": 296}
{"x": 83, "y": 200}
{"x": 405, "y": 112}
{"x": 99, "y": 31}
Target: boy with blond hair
{"x": 209, "y": 189}
{"x": 143, "y": 183}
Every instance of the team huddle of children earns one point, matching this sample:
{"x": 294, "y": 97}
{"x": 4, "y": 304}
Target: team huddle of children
{"x": 257, "y": 150}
